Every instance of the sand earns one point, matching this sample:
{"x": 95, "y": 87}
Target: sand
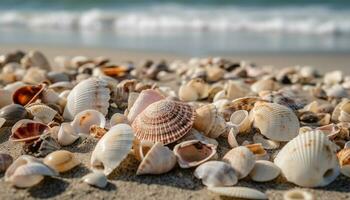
{"x": 177, "y": 184}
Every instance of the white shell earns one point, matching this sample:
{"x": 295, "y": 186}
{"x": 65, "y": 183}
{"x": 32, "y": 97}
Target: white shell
{"x": 85, "y": 119}
{"x": 216, "y": 173}
{"x": 66, "y": 135}
{"x": 242, "y": 120}
{"x": 336, "y": 91}
{"x": 196, "y": 135}
{"x": 309, "y": 160}
{"x": 333, "y": 77}
{"x": 266, "y": 143}
{"x": 297, "y": 194}
{"x": 42, "y": 112}
{"x": 238, "y": 192}
{"x": 264, "y": 85}
{"x": 97, "y": 179}
{"x": 112, "y": 148}
{"x": 231, "y": 138}
{"x": 264, "y": 171}
{"x": 241, "y": 159}
{"x": 118, "y": 118}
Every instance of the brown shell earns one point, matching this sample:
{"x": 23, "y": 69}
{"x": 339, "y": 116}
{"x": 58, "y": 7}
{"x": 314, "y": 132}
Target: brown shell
{"x": 116, "y": 71}
{"x": 244, "y": 103}
{"x": 5, "y": 161}
{"x": 164, "y": 121}
{"x": 27, "y": 94}
{"x": 27, "y": 130}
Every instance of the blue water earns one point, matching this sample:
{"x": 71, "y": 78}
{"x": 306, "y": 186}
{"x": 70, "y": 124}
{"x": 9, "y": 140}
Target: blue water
{"x": 196, "y": 27}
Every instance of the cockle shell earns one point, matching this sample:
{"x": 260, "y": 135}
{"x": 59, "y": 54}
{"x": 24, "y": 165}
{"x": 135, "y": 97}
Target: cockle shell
{"x": 193, "y": 153}
{"x": 42, "y": 112}
{"x": 263, "y": 85}
{"x": 27, "y": 130}
{"x": 112, "y": 148}
{"x": 344, "y": 161}
{"x": 275, "y": 121}
{"x": 164, "y": 121}
{"x": 216, "y": 173}
{"x": 5, "y": 161}
{"x": 158, "y": 160}
{"x": 13, "y": 113}
{"x": 266, "y": 143}
{"x": 27, "y": 94}
{"x": 297, "y": 194}
{"x": 264, "y": 171}
{"x": 309, "y": 160}
{"x": 67, "y": 135}
{"x": 61, "y": 160}
{"x": 241, "y": 159}
{"x": 259, "y": 151}
{"x": 238, "y": 192}
{"x": 146, "y": 98}
{"x": 92, "y": 93}
{"x": 118, "y": 118}
{"x": 27, "y": 171}
{"x": 97, "y": 179}
{"x": 86, "y": 118}
{"x": 242, "y": 120}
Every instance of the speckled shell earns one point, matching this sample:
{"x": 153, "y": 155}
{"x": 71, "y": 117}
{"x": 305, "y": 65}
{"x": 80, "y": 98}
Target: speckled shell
{"x": 275, "y": 121}
{"x": 344, "y": 161}
{"x": 97, "y": 179}
{"x": 13, "y": 113}
{"x": 216, "y": 173}
{"x": 164, "y": 121}
{"x": 92, "y": 93}
{"x": 61, "y": 160}
{"x": 42, "y": 112}
{"x": 241, "y": 159}
{"x": 112, "y": 148}
{"x": 238, "y": 192}
{"x": 309, "y": 160}
{"x": 27, "y": 130}
{"x": 5, "y": 161}
{"x": 85, "y": 119}
{"x": 264, "y": 171}
{"x": 27, "y": 94}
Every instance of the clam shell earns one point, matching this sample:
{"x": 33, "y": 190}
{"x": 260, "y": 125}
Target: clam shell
{"x": 263, "y": 85}
{"x": 264, "y": 171}
{"x": 158, "y": 160}
{"x": 275, "y": 121}
{"x": 27, "y": 130}
{"x": 238, "y": 192}
{"x": 27, "y": 94}
{"x": 13, "y": 113}
{"x": 118, "y": 118}
{"x": 164, "y": 121}
{"x": 297, "y": 194}
{"x": 241, "y": 159}
{"x": 42, "y": 112}
{"x": 61, "y": 160}
{"x": 97, "y": 179}
{"x": 193, "y": 153}
{"x": 5, "y": 161}
{"x": 266, "y": 143}
{"x": 209, "y": 121}
{"x": 309, "y": 160}
{"x": 91, "y": 93}
{"x": 344, "y": 161}
{"x": 216, "y": 173}
{"x": 112, "y": 148}
{"x": 85, "y": 119}
{"x": 242, "y": 120}
{"x": 67, "y": 135}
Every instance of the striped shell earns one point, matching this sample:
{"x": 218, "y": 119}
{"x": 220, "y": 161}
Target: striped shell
{"x": 27, "y": 130}
{"x": 5, "y": 161}
{"x": 164, "y": 121}
{"x": 238, "y": 192}
{"x": 92, "y": 93}
{"x": 27, "y": 94}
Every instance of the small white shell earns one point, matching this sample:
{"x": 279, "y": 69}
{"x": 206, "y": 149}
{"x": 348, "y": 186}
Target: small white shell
{"x": 66, "y": 135}
{"x": 97, "y": 179}
{"x": 238, "y": 192}
{"x": 241, "y": 159}
{"x": 264, "y": 171}
{"x": 264, "y": 85}
{"x": 333, "y": 77}
{"x": 231, "y": 138}
{"x": 242, "y": 120}
{"x": 216, "y": 173}
{"x": 297, "y": 194}
{"x": 85, "y": 119}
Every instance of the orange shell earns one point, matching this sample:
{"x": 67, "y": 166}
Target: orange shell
{"x": 116, "y": 71}
{"x": 27, "y": 94}
{"x": 27, "y": 130}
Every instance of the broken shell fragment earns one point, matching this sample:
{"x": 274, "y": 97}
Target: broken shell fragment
{"x": 241, "y": 159}
{"x": 61, "y": 161}
{"x": 42, "y": 112}
{"x": 97, "y": 179}
{"x": 97, "y": 132}
{"x": 264, "y": 171}
{"x": 216, "y": 173}
{"x": 42, "y": 146}
{"x": 238, "y": 192}
{"x": 85, "y": 119}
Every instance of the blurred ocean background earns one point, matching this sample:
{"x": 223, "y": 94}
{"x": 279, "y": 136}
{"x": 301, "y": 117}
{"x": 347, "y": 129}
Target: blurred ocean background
{"x": 192, "y": 27}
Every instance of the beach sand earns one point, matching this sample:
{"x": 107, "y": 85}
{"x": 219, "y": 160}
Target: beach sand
{"x": 177, "y": 184}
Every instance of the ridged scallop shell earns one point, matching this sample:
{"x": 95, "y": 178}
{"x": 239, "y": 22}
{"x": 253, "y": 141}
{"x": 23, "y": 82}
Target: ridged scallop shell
{"x": 266, "y": 143}
{"x": 242, "y": 120}
{"x": 85, "y": 119}
{"x": 241, "y": 159}
{"x": 42, "y": 112}
{"x": 209, "y": 121}
{"x": 27, "y": 94}
{"x": 5, "y": 161}
{"x": 297, "y": 194}
{"x": 264, "y": 171}
{"x": 216, "y": 173}
{"x": 158, "y": 160}
{"x": 275, "y": 121}
{"x": 259, "y": 151}
{"x": 92, "y": 93}
{"x": 13, "y": 113}
{"x": 263, "y": 85}
{"x": 27, "y": 130}
{"x": 67, "y": 135}
{"x": 112, "y": 148}
{"x": 61, "y": 160}
{"x": 97, "y": 179}
{"x": 309, "y": 160}
{"x": 238, "y": 192}
{"x": 344, "y": 161}
{"x": 146, "y": 98}
{"x": 164, "y": 121}
{"x": 193, "y": 153}
{"x": 42, "y": 146}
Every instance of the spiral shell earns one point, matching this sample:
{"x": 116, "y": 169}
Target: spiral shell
{"x": 241, "y": 159}
{"x": 27, "y": 130}
{"x": 5, "y": 161}
{"x": 238, "y": 192}
{"x": 61, "y": 161}
{"x": 216, "y": 173}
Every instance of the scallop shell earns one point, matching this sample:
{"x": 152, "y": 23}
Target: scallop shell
{"x": 86, "y": 118}
{"x": 61, "y": 161}
{"x": 216, "y": 173}
{"x": 42, "y": 112}
{"x": 27, "y": 94}
{"x": 242, "y": 120}
{"x": 275, "y": 121}
{"x": 13, "y": 113}
{"x": 309, "y": 160}
{"x": 196, "y": 135}
{"x": 266, "y": 143}
{"x": 264, "y": 171}
{"x": 238, "y": 192}
{"x": 112, "y": 148}
{"x": 193, "y": 153}
{"x": 118, "y": 118}
{"x": 344, "y": 161}
{"x": 91, "y": 93}
{"x": 67, "y": 135}
{"x": 164, "y": 121}
{"x": 5, "y": 161}
{"x": 263, "y": 85}
{"x": 146, "y": 98}
{"x": 27, "y": 130}
{"x": 158, "y": 160}
{"x": 258, "y": 151}
{"x": 97, "y": 179}
{"x": 241, "y": 159}
{"x": 297, "y": 194}
{"x": 41, "y": 146}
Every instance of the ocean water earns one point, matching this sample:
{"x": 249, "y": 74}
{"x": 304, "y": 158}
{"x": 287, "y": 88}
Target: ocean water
{"x": 194, "y": 27}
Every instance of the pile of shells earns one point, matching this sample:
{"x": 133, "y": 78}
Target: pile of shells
{"x": 293, "y": 122}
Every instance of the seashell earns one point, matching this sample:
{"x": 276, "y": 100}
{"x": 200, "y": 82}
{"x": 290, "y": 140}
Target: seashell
{"x": 264, "y": 171}
{"x": 196, "y": 135}
{"x": 50, "y": 96}
{"x": 132, "y": 98}
{"x": 96, "y": 179}
{"x": 61, "y": 86}
{"x": 336, "y": 91}
{"x": 242, "y": 120}
{"x": 34, "y": 75}
{"x": 121, "y": 92}
{"x": 96, "y": 131}
{"x": 13, "y": 113}
{"x": 245, "y": 103}
{"x": 118, "y": 118}
{"x": 193, "y": 153}
{"x": 238, "y": 192}
{"x": 146, "y": 98}
{"x": 297, "y": 194}
{"x": 331, "y": 130}
{"x": 158, "y": 160}
{"x": 91, "y": 93}
{"x": 41, "y": 112}
{"x": 309, "y": 160}
{"x": 337, "y": 109}
{"x": 164, "y": 121}
{"x": 112, "y": 148}
{"x": 282, "y": 97}
{"x": 78, "y": 61}
{"x": 266, "y": 143}
{"x": 263, "y": 85}
{"x": 187, "y": 93}
{"x": 42, "y": 146}
{"x": 333, "y": 77}
{"x": 14, "y": 86}
{"x": 344, "y": 114}
{"x": 5, "y": 161}
{"x": 231, "y": 138}
{"x": 220, "y": 95}
{"x": 114, "y": 71}
{"x": 314, "y": 119}
{"x": 241, "y": 159}
{"x": 27, "y": 130}
{"x": 193, "y": 90}
{"x": 216, "y": 173}
{"x": 209, "y": 121}
{"x": 27, "y": 171}
{"x": 61, "y": 160}
{"x": 140, "y": 148}
{"x": 86, "y": 118}
{"x": 27, "y": 94}
{"x": 67, "y": 135}
{"x": 35, "y": 59}
{"x": 344, "y": 161}
{"x": 235, "y": 89}
{"x": 56, "y": 77}
{"x": 6, "y": 97}
{"x": 259, "y": 151}
{"x": 275, "y": 121}
{"x": 214, "y": 74}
